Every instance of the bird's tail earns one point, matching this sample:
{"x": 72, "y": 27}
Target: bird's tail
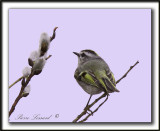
{"x": 110, "y": 86}
{"x": 116, "y": 90}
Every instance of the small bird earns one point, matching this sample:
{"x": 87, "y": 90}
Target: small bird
{"x": 93, "y": 74}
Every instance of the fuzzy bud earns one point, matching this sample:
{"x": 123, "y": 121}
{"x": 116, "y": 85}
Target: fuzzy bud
{"x": 38, "y": 65}
{"x": 26, "y": 71}
{"x": 44, "y": 43}
{"x": 26, "y": 91}
{"x": 34, "y": 55}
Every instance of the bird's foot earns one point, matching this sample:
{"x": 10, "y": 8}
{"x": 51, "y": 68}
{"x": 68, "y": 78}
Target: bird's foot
{"x": 87, "y": 109}
{"x": 91, "y": 112}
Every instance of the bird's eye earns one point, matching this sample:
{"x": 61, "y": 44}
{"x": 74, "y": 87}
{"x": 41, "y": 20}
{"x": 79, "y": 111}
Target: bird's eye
{"x": 82, "y": 54}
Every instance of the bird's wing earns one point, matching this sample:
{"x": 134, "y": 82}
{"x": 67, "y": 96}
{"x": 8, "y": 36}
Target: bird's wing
{"x": 106, "y": 80}
{"x": 101, "y": 80}
{"x": 109, "y": 81}
{"x": 86, "y": 77}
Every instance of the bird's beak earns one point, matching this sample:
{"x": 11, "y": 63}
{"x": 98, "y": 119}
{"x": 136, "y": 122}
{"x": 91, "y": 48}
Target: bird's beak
{"x": 76, "y": 53}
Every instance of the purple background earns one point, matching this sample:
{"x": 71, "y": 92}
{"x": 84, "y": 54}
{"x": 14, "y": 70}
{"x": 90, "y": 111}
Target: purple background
{"x": 119, "y": 36}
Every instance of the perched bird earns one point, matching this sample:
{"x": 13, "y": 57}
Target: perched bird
{"x": 93, "y": 74}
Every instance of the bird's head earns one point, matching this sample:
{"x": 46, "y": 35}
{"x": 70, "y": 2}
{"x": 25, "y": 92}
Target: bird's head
{"x": 86, "y": 55}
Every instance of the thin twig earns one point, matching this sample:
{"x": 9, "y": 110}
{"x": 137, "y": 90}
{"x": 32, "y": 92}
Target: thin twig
{"x": 127, "y": 72}
{"x": 20, "y": 94}
{"x": 21, "y": 91}
{"x": 96, "y": 100}
{"x": 48, "y": 57}
{"x": 94, "y": 110}
{"x": 19, "y": 79}
{"x": 54, "y": 34}
{"x": 22, "y": 76}
{"x": 103, "y": 95}
{"x": 88, "y": 107}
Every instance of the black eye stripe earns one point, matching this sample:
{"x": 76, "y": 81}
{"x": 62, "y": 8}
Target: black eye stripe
{"x": 83, "y": 55}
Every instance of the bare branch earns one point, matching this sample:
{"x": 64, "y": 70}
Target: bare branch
{"x": 127, "y": 72}
{"x": 94, "y": 110}
{"x": 19, "y": 79}
{"x": 88, "y": 107}
{"x": 54, "y": 34}
{"x": 20, "y": 94}
{"x": 48, "y": 57}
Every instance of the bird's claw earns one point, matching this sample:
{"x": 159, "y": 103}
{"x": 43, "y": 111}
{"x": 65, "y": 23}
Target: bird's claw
{"x": 87, "y": 109}
{"x": 90, "y": 111}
